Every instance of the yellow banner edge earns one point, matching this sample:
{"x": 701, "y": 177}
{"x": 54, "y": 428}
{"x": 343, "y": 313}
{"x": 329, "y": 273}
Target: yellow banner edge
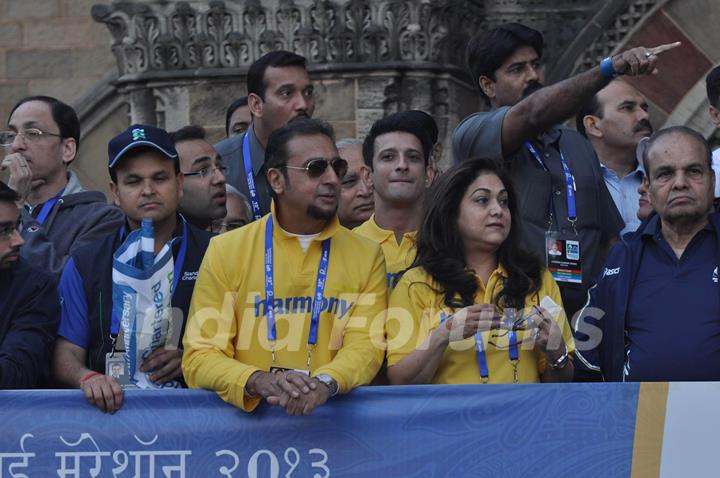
{"x": 649, "y": 430}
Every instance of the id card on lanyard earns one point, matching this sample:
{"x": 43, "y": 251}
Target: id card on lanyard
{"x": 249, "y": 176}
{"x": 270, "y": 294}
{"x": 562, "y": 251}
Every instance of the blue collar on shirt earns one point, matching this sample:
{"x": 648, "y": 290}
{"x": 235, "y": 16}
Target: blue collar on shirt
{"x": 638, "y": 171}
{"x": 652, "y": 228}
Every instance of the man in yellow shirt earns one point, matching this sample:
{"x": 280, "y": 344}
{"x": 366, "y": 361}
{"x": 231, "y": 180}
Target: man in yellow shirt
{"x": 290, "y": 308}
{"x": 398, "y": 150}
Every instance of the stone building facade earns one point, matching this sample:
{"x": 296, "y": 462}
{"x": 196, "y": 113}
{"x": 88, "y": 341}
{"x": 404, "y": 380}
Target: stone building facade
{"x": 173, "y": 63}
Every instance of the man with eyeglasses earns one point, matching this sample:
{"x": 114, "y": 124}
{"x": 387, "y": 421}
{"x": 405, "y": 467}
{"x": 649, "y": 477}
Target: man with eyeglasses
{"x": 279, "y": 91}
{"x": 397, "y": 150}
{"x": 146, "y": 184}
{"x": 204, "y": 196}
{"x": 238, "y": 212}
{"x": 29, "y": 306}
{"x": 289, "y": 309}
{"x": 58, "y": 214}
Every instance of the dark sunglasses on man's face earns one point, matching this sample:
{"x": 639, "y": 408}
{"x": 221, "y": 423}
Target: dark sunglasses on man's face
{"x": 316, "y": 167}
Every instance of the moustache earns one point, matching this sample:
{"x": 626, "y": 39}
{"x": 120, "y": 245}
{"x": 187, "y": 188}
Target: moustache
{"x": 532, "y": 88}
{"x": 301, "y": 115}
{"x": 643, "y": 125}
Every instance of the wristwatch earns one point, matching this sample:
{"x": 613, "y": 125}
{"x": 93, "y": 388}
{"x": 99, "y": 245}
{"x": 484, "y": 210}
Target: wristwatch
{"x": 329, "y": 382}
{"x": 561, "y": 362}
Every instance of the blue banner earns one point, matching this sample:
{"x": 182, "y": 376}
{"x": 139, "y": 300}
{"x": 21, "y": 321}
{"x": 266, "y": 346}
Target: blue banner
{"x": 413, "y": 431}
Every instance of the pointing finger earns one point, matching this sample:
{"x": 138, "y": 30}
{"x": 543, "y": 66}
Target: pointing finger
{"x": 665, "y": 47}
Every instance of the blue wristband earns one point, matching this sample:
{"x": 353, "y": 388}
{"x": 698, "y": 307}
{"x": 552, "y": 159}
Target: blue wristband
{"x": 606, "y": 68}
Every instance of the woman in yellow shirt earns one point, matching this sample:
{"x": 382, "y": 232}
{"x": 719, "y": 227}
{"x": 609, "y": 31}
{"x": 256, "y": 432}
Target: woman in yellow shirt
{"x": 475, "y": 307}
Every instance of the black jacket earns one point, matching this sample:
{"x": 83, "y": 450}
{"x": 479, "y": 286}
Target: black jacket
{"x": 29, "y": 315}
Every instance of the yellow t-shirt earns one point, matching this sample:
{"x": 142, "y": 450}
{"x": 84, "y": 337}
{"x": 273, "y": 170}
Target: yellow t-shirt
{"x": 398, "y": 257}
{"x": 226, "y": 335}
{"x": 416, "y": 307}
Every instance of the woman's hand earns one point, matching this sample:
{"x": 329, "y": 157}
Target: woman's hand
{"x": 548, "y": 336}
{"x": 472, "y": 319}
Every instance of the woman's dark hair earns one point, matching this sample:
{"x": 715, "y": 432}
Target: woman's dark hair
{"x": 440, "y": 249}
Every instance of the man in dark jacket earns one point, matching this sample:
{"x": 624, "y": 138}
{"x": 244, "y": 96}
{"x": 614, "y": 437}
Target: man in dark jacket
{"x": 654, "y": 315}
{"x": 58, "y": 216}
{"x": 29, "y": 306}
{"x": 146, "y": 183}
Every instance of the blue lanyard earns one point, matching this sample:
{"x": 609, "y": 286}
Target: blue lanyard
{"x": 270, "y": 289}
{"x": 570, "y": 188}
{"x": 177, "y": 272}
{"x": 569, "y": 182}
{"x": 257, "y": 213}
{"x": 482, "y": 356}
{"x": 47, "y": 207}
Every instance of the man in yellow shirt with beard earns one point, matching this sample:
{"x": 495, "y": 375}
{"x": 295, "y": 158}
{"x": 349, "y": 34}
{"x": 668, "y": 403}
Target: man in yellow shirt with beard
{"x": 397, "y": 149}
{"x": 290, "y": 308}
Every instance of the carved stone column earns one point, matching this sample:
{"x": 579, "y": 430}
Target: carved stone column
{"x": 368, "y": 58}
{"x": 142, "y": 105}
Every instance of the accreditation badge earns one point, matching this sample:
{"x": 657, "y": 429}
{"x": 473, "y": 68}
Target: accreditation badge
{"x": 563, "y": 258}
{"x": 281, "y": 370}
{"x": 116, "y": 367}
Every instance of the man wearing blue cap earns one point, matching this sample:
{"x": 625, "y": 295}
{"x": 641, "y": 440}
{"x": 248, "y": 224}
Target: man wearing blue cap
{"x": 146, "y": 184}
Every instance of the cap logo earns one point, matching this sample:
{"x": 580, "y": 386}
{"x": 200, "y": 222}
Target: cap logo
{"x": 138, "y": 133}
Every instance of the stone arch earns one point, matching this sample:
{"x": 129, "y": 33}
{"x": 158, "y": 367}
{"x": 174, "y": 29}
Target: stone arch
{"x": 677, "y": 94}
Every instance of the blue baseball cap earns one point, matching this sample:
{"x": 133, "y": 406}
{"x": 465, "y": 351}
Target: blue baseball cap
{"x": 140, "y": 135}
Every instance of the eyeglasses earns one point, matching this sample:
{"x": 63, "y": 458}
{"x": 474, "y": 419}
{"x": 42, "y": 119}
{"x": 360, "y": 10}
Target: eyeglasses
{"x": 7, "y": 231}
{"x": 31, "y": 135}
{"x": 515, "y": 321}
{"x": 205, "y": 172}
{"x": 316, "y": 167}
{"x": 222, "y": 226}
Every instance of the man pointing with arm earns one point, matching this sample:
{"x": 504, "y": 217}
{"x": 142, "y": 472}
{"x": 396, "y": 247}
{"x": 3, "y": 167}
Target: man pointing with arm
{"x": 562, "y": 194}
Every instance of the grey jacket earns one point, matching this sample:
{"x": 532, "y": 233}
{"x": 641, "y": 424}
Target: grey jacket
{"x": 77, "y": 218}
{"x": 231, "y": 152}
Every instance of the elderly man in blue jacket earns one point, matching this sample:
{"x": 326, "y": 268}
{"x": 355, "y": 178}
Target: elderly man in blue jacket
{"x": 654, "y": 315}
{"x": 29, "y": 306}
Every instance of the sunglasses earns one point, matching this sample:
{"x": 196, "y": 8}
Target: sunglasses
{"x": 317, "y": 167}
